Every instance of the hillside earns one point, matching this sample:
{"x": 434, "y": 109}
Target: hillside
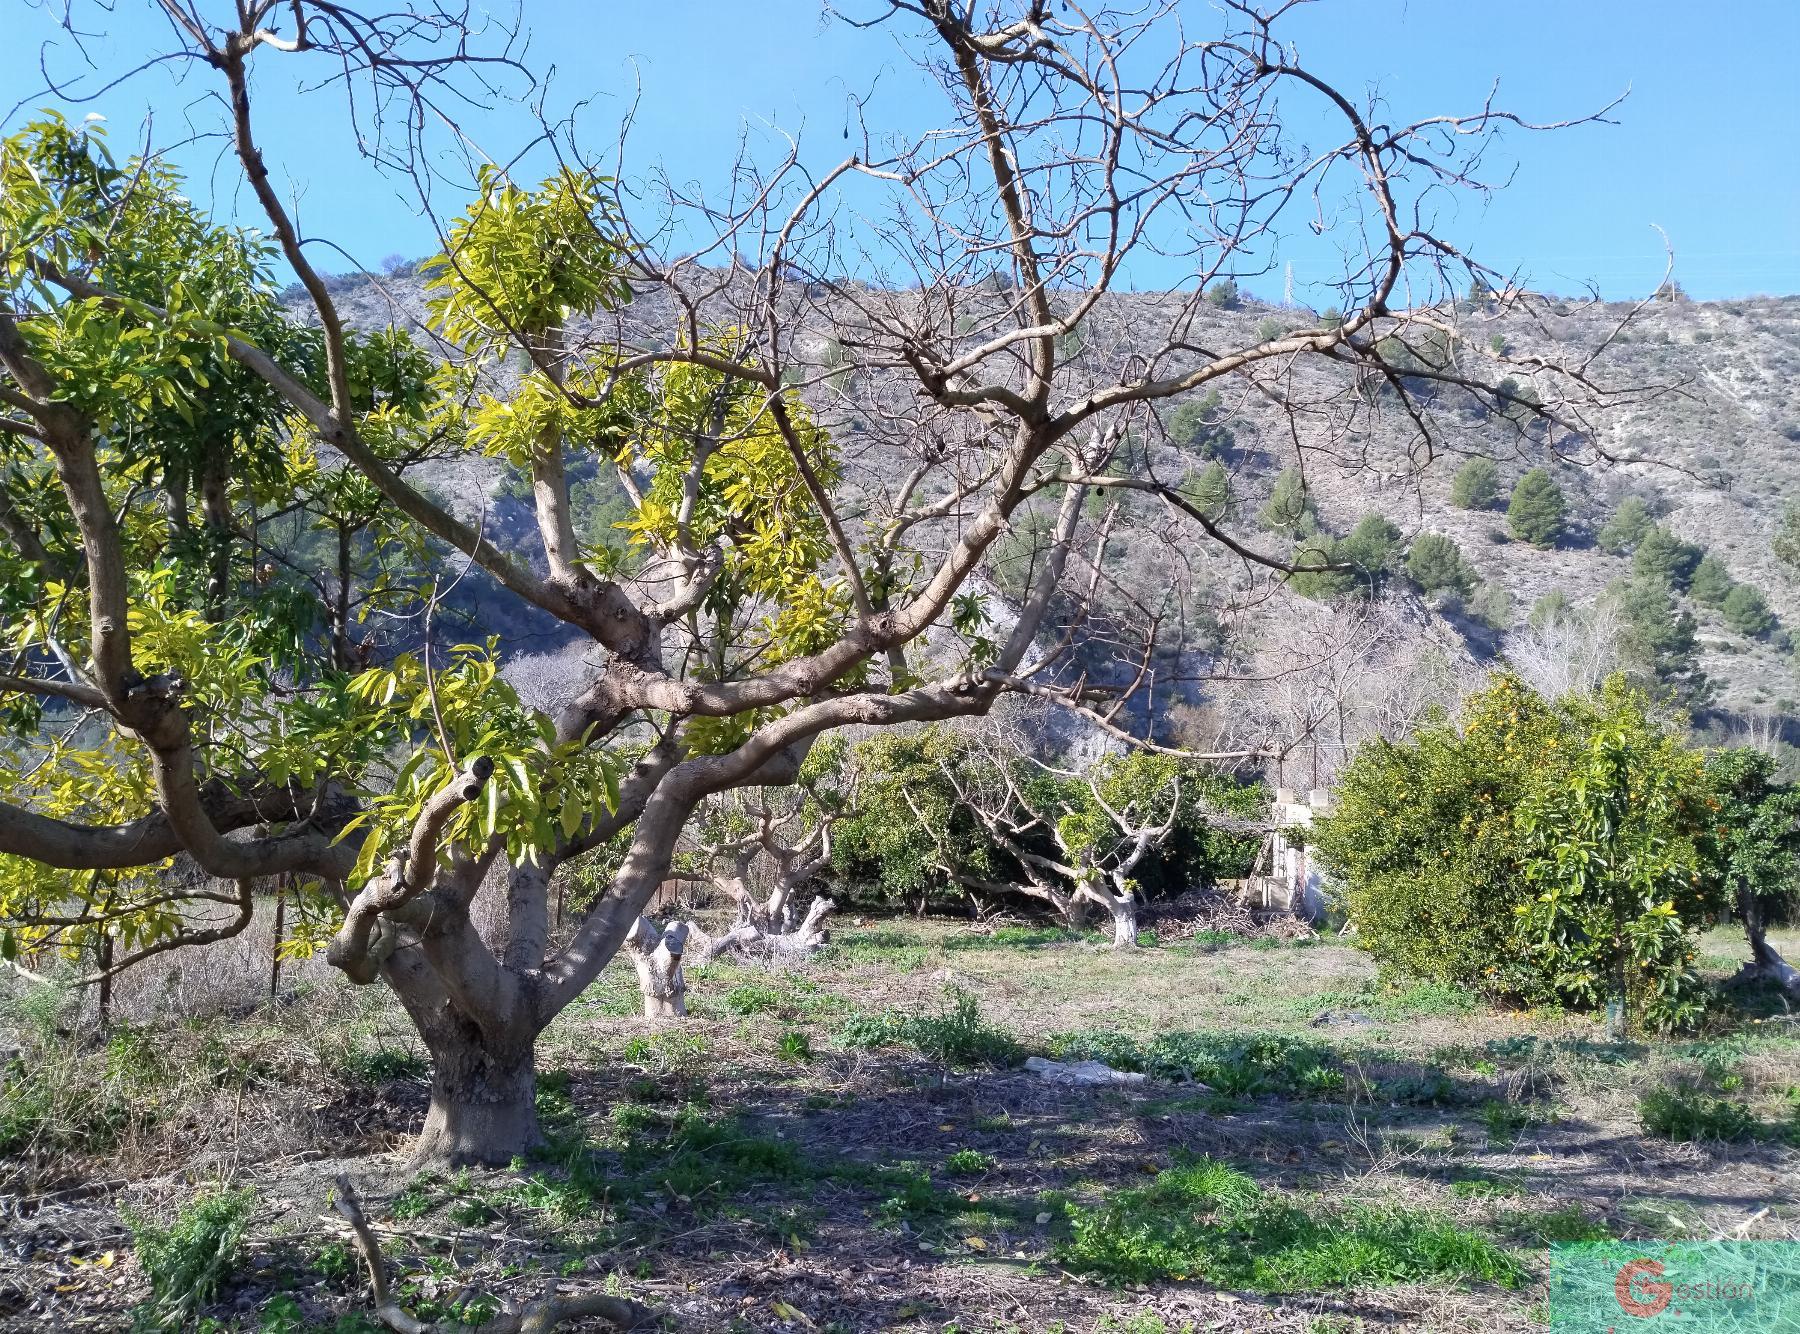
{"x": 1705, "y": 437}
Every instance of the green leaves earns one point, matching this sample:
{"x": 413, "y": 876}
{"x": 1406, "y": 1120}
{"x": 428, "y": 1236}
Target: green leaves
{"x": 520, "y": 262}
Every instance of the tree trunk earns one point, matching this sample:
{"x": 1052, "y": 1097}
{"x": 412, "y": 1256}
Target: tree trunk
{"x": 1766, "y": 963}
{"x": 483, "y": 1100}
{"x": 657, "y": 955}
{"x": 1123, "y": 908}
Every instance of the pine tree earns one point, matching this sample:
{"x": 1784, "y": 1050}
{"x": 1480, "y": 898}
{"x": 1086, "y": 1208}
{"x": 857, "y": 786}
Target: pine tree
{"x": 1477, "y": 485}
{"x": 1747, "y": 612}
{"x": 1538, "y": 512}
{"x": 1210, "y": 493}
{"x": 1193, "y": 425}
{"x": 1621, "y": 533}
{"x": 1290, "y": 508}
{"x": 1436, "y": 564}
{"x": 1662, "y": 555}
{"x": 1659, "y": 642}
{"x": 1712, "y": 582}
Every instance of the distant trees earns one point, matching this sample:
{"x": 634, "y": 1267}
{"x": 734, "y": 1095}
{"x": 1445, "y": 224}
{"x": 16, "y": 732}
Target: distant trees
{"x": 1210, "y": 491}
{"x": 1290, "y": 507}
{"x": 1786, "y": 542}
{"x": 1626, "y": 528}
{"x": 1370, "y": 552}
{"x": 1194, "y": 425}
{"x": 1477, "y": 484}
{"x": 1712, "y": 582}
{"x": 1538, "y": 513}
{"x": 1662, "y": 555}
{"x": 955, "y": 812}
{"x": 1657, "y": 643}
{"x": 1223, "y": 294}
{"x": 1436, "y": 564}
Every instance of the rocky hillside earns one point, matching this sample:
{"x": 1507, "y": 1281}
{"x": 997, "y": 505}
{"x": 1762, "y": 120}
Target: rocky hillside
{"x": 1710, "y": 442}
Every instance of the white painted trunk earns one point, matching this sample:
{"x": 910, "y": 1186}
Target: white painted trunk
{"x": 657, "y": 956}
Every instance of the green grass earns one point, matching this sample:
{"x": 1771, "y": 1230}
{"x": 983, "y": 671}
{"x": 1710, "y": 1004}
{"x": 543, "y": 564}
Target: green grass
{"x": 1015, "y": 938}
{"x": 956, "y": 1034}
{"x": 1551, "y": 1227}
{"x": 1235, "y": 1065}
{"x": 886, "y": 946}
{"x": 1205, "y": 1220}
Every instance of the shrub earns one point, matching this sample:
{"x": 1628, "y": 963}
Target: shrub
{"x": 1685, "y": 1115}
{"x": 1434, "y": 840}
{"x": 1538, "y": 512}
{"x": 1477, "y": 485}
{"x": 1492, "y": 605}
{"x": 188, "y": 1261}
{"x": 1436, "y": 564}
{"x": 1747, "y": 612}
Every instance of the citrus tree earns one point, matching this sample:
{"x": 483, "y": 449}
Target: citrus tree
{"x": 206, "y": 498}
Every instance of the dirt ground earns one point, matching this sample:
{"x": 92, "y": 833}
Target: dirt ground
{"x": 788, "y": 1159}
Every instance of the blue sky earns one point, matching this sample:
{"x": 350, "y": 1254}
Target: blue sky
{"x": 1708, "y": 147}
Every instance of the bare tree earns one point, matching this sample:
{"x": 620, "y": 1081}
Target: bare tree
{"x": 764, "y": 607}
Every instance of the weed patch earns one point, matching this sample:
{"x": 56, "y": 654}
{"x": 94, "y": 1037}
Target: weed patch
{"x": 188, "y": 1262}
{"x": 1204, "y": 1219}
{"x": 1686, "y": 1115}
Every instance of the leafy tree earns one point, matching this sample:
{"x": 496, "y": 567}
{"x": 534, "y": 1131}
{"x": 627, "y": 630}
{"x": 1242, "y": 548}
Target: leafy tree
{"x": 1445, "y": 842}
{"x": 1662, "y": 555}
{"x": 1367, "y": 554}
{"x": 1747, "y": 612}
{"x": 1754, "y": 850}
{"x": 1290, "y": 506}
{"x": 1477, "y": 484}
{"x": 1614, "y": 856}
{"x": 1712, "y": 582}
{"x": 1627, "y": 527}
{"x": 1436, "y": 564}
{"x": 1537, "y": 513}
{"x": 910, "y": 839}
